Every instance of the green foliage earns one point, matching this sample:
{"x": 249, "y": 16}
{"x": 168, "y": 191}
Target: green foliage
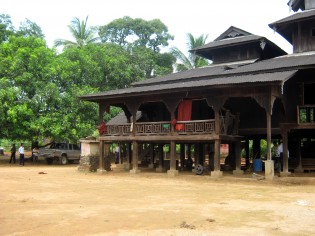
{"x": 39, "y": 88}
{"x": 29, "y": 28}
{"x": 6, "y": 27}
{"x": 144, "y": 40}
{"x": 82, "y": 34}
{"x": 192, "y": 61}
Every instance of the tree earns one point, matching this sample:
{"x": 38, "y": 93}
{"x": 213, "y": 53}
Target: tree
{"x": 117, "y": 31}
{"x": 144, "y": 40}
{"x": 192, "y": 61}
{"x": 29, "y": 28}
{"x": 82, "y": 34}
{"x": 34, "y": 102}
{"x": 138, "y": 32}
{"x": 6, "y": 27}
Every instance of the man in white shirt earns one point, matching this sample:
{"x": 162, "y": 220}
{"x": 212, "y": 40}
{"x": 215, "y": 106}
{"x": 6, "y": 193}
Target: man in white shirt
{"x": 21, "y": 151}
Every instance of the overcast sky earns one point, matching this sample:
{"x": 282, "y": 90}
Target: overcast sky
{"x": 198, "y": 17}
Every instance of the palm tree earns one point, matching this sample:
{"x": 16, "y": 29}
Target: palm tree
{"x": 82, "y": 34}
{"x": 192, "y": 61}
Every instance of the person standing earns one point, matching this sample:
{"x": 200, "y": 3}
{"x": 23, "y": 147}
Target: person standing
{"x": 13, "y": 151}
{"x": 21, "y": 151}
{"x": 117, "y": 150}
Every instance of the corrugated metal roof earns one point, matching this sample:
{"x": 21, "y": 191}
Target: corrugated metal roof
{"x": 193, "y": 74}
{"x": 298, "y": 16}
{"x": 174, "y": 87}
{"x": 230, "y": 42}
{"x": 291, "y": 61}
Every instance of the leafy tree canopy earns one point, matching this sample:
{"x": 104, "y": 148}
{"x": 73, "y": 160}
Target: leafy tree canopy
{"x": 81, "y": 33}
{"x": 152, "y": 34}
{"x": 29, "y": 28}
{"x": 192, "y": 61}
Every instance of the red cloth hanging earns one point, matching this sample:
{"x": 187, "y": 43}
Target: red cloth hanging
{"x": 184, "y": 110}
{"x": 184, "y": 113}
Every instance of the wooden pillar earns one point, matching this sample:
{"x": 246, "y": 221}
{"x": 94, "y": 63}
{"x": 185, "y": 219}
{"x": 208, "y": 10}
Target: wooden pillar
{"x": 269, "y": 164}
{"x": 182, "y": 156}
{"x": 247, "y": 153}
{"x": 171, "y": 105}
{"x": 151, "y": 164}
{"x": 133, "y": 108}
{"x": 238, "y": 164}
{"x": 134, "y": 158}
{"x": 172, "y": 156}
{"x": 299, "y": 168}
{"x": 161, "y": 158}
{"x": 285, "y": 170}
{"x": 101, "y": 169}
{"x": 217, "y": 144}
{"x": 268, "y": 136}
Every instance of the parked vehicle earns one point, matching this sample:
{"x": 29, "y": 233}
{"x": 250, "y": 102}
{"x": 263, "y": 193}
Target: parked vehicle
{"x": 61, "y": 153}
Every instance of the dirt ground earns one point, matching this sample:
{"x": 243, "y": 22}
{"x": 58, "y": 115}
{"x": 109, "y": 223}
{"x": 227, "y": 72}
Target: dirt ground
{"x": 39, "y": 199}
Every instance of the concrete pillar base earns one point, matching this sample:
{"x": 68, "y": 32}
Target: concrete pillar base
{"x": 172, "y": 173}
{"x": 238, "y": 172}
{"x": 151, "y": 166}
{"x": 135, "y": 171}
{"x": 269, "y": 170}
{"x": 299, "y": 169}
{"x": 127, "y": 166}
{"x": 285, "y": 174}
{"x": 216, "y": 174}
{"x": 119, "y": 167}
{"x": 159, "y": 169}
{"x": 101, "y": 171}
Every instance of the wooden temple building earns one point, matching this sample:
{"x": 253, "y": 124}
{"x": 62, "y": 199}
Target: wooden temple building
{"x": 253, "y": 90}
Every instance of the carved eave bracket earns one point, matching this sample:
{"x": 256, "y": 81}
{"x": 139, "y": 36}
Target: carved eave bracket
{"x": 133, "y": 106}
{"x": 171, "y": 105}
{"x": 266, "y": 102}
{"x": 216, "y": 103}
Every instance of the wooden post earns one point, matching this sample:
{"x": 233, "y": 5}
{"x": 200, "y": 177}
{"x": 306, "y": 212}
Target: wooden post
{"x": 217, "y": 144}
{"x": 247, "y": 153}
{"x": 285, "y": 170}
{"x": 172, "y": 156}
{"x": 101, "y": 169}
{"x": 161, "y": 161}
{"x": 268, "y": 136}
{"x": 182, "y": 156}
{"x": 238, "y": 164}
{"x": 269, "y": 165}
{"x": 135, "y": 158}
{"x": 299, "y": 168}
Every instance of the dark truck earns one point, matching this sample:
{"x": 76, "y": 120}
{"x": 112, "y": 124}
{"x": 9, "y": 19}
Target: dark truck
{"x": 61, "y": 153}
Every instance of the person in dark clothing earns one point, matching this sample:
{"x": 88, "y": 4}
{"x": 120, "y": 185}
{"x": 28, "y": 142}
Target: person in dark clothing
{"x": 13, "y": 151}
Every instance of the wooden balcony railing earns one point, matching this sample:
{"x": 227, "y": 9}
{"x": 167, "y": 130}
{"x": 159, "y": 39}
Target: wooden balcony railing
{"x": 306, "y": 114}
{"x": 193, "y": 127}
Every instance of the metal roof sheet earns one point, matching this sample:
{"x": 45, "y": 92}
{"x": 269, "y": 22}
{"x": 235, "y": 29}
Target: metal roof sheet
{"x": 174, "y": 87}
{"x": 291, "y": 61}
{"x": 210, "y": 70}
{"x": 230, "y": 42}
{"x": 297, "y": 16}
